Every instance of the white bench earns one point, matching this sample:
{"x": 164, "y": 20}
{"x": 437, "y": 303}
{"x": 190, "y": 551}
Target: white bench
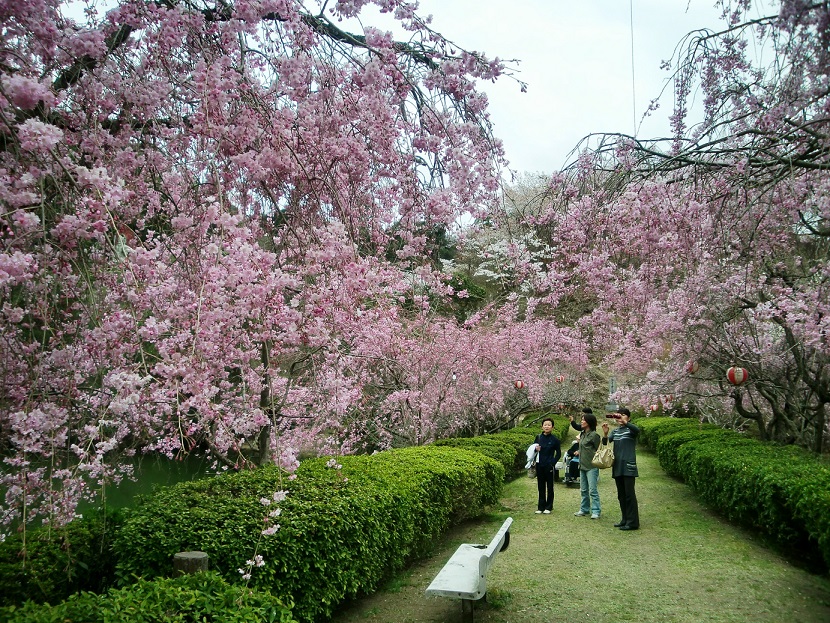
{"x": 464, "y": 576}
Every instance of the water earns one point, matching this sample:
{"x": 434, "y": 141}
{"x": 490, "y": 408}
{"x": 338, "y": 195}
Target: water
{"x": 151, "y": 472}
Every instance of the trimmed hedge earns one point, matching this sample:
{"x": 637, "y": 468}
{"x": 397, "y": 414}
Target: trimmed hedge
{"x": 342, "y": 530}
{"x": 519, "y": 439}
{"x": 496, "y": 449}
{"x": 783, "y": 492}
{"x": 401, "y": 498}
{"x": 199, "y": 598}
{"x": 509, "y": 446}
{"x": 59, "y": 561}
{"x": 652, "y": 428}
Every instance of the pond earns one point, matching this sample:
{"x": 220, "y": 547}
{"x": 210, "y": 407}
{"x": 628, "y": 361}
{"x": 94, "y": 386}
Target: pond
{"x": 151, "y": 473}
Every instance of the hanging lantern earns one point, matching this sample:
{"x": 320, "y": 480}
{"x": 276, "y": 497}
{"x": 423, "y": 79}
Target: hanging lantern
{"x": 561, "y": 406}
{"x": 519, "y": 384}
{"x": 654, "y": 407}
{"x": 692, "y": 367}
{"x": 737, "y": 376}
{"x": 560, "y": 379}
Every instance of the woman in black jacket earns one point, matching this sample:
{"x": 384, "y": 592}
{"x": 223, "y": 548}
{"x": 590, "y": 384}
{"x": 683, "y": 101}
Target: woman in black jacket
{"x": 547, "y": 444}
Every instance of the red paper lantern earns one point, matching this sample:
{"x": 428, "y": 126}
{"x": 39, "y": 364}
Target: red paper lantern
{"x": 737, "y": 376}
{"x": 692, "y": 367}
{"x": 519, "y": 384}
{"x": 560, "y": 379}
{"x": 654, "y": 407}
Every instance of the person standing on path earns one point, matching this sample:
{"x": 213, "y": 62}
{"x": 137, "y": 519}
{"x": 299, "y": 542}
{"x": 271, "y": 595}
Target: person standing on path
{"x": 624, "y": 469}
{"x": 549, "y": 452}
{"x": 589, "y": 441}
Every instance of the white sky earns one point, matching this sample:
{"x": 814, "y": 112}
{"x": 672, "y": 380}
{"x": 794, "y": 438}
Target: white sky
{"x": 576, "y": 58}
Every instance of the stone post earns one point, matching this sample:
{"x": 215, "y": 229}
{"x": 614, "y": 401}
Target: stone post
{"x": 185, "y": 563}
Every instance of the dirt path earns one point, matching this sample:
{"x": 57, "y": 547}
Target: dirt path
{"x": 685, "y": 565}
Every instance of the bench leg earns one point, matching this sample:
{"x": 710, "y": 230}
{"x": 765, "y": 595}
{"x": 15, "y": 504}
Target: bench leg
{"x": 467, "y": 606}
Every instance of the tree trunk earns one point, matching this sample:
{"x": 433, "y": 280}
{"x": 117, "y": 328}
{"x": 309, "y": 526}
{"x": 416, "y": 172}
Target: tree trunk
{"x": 264, "y": 446}
{"x": 821, "y": 424}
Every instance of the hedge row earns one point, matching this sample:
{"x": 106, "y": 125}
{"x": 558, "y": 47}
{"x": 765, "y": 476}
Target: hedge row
{"x": 344, "y": 529}
{"x": 508, "y": 447}
{"x": 199, "y": 598}
{"x": 782, "y": 492}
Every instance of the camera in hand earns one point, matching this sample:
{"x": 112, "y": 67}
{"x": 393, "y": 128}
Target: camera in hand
{"x": 615, "y": 416}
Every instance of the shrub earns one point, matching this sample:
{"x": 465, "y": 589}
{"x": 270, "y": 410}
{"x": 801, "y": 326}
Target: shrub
{"x": 496, "y": 449}
{"x": 342, "y": 530}
{"x": 670, "y": 442}
{"x": 49, "y": 563}
{"x": 519, "y": 439}
{"x": 782, "y": 493}
{"x": 652, "y": 428}
{"x": 202, "y": 598}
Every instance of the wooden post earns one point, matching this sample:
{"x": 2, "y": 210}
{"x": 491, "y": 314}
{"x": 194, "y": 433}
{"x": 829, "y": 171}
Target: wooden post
{"x": 185, "y": 563}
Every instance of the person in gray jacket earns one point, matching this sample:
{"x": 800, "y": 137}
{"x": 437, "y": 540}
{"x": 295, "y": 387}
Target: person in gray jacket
{"x": 624, "y": 470}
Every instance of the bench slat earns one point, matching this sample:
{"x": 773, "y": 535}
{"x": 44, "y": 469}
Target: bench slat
{"x": 460, "y": 576}
{"x": 464, "y": 575}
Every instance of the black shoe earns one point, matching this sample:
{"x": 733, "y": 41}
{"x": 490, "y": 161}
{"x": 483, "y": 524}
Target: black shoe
{"x": 619, "y": 524}
{"x": 628, "y": 528}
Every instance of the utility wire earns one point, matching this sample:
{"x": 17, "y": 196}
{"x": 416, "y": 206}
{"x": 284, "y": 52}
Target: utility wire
{"x": 633, "y": 88}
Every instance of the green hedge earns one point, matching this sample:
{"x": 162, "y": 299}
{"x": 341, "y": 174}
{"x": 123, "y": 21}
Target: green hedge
{"x": 401, "y": 495}
{"x": 49, "y": 564}
{"x": 519, "y": 439}
{"x": 508, "y": 447}
{"x": 342, "y": 530}
{"x": 782, "y": 492}
{"x": 497, "y": 449}
{"x": 669, "y": 444}
{"x": 652, "y": 428}
{"x": 199, "y": 598}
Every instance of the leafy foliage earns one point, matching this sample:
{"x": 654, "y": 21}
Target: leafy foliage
{"x": 49, "y": 564}
{"x": 343, "y": 528}
{"x": 199, "y": 598}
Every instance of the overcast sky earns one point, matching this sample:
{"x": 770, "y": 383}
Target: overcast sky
{"x": 576, "y": 57}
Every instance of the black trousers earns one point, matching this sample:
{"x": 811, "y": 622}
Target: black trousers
{"x": 628, "y": 501}
{"x": 544, "y": 481}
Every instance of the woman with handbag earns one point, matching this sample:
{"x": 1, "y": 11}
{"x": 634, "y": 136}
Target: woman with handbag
{"x": 624, "y": 470}
{"x": 589, "y": 442}
{"x": 547, "y": 444}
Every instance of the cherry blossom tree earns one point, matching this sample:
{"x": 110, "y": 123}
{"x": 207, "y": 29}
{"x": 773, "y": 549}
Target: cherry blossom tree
{"x": 712, "y": 246}
{"x": 212, "y": 216}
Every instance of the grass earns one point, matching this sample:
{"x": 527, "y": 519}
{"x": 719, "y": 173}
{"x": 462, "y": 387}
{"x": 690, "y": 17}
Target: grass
{"x": 685, "y": 565}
